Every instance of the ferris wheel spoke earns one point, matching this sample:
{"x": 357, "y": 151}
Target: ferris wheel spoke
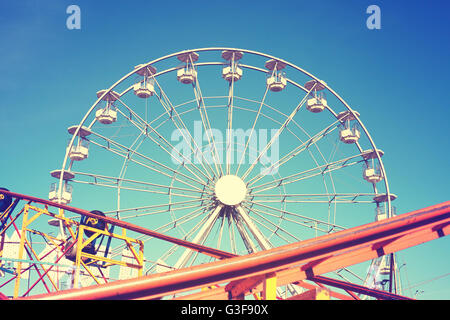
{"x": 167, "y": 227}
{"x": 125, "y": 156}
{"x": 316, "y": 198}
{"x": 115, "y": 186}
{"x": 260, "y": 238}
{"x": 232, "y": 236}
{"x": 144, "y": 128}
{"x": 248, "y": 242}
{"x": 229, "y": 125}
{"x": 207, "y": 125}
{"x": 221, "y": 229}
{"x": 253, "y": 126}
{"x": 145, "y": 208}
{"x": 127, "y": 153}
{"x": 173, "y": 249}
{"x": 272, "y": 231}
{"x": 201, "y": 236}
{"x": 171, "y": 111}
{"x": 118, "y": 182}
{"x": 316, "y": 201}
{"x": 295, "y": 152}
{"x": 332, "y": 225}
{"x": 319, "y": 170}
{"x": 279, "y": 131}
{"x": 308, "y": 225}
{"x": 185, "y": 161}
{"x": 277, "y": 226}
{"x": 185, "y": 218}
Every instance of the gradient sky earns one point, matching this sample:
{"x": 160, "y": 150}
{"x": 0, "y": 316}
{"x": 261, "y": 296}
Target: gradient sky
{"x": 396, "y": 77}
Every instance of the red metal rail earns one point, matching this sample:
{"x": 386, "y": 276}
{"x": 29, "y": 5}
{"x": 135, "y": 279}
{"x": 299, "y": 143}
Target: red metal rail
{"x": 291, "y": 263}
{"x": 358, "y": 289}
{"x": 129, "y": 226}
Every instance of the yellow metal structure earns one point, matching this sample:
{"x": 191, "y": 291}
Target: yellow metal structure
{"x": 270, "y": 288}
{"x": 78, "y": 234}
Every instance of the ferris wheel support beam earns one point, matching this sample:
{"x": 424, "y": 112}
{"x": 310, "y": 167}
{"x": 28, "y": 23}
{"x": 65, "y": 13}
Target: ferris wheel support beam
{"x": 260, "y": 238}
{"x": 200, "y": 237}
{"x": 244, "y": 235}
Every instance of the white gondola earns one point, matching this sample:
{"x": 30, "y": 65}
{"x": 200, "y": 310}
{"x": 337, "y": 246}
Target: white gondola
{"x": 349, "y": 132}
{"x": 371, "y": 169}
{"x": 372, "y": 173}
{"x": 277, "y": 82}
{"x": 106, "y": 115}
{"x": 232, "y": 73}
{"x": 317, "y": 101}
{"x": 144, "y": 89}
{"x": 382, "y": 208}
{"x": 66, "y": 194}
{"x": 188, "y": 74}
{"x": 79, "y": 150}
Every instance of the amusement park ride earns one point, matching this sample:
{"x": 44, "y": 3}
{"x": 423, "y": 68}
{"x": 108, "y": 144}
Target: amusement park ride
{"x": 192, "y": 221}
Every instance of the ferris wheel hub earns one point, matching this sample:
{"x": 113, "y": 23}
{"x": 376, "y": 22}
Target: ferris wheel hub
{"x": 230, "y": 190}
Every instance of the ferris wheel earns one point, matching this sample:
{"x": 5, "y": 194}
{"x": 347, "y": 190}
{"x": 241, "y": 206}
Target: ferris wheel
{"x": 224, "y": 147}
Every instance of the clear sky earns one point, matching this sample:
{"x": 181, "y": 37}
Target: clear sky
{"x": 397, "y": 77}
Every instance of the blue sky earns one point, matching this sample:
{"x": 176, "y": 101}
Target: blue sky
{"x": 397, "y": 78}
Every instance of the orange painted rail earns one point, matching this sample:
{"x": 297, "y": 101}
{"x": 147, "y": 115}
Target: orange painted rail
{"x": 129, "y": 226}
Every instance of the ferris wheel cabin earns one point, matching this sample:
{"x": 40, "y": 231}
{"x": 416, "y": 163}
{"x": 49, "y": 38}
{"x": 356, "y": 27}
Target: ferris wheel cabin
{"x": 232, "y": 72}
{"x": 317, "y": 101}
{"x": 145, "y": 88}
{"x": 187, "y": 74}
{"x": 108, "y": 114}
{"x": 79, "y": 150}
{"x": 276, "y": 81}
{"x": 66, "y": 193}
{"x": 349, "y": 132}
{"x": 371, "y": 169}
